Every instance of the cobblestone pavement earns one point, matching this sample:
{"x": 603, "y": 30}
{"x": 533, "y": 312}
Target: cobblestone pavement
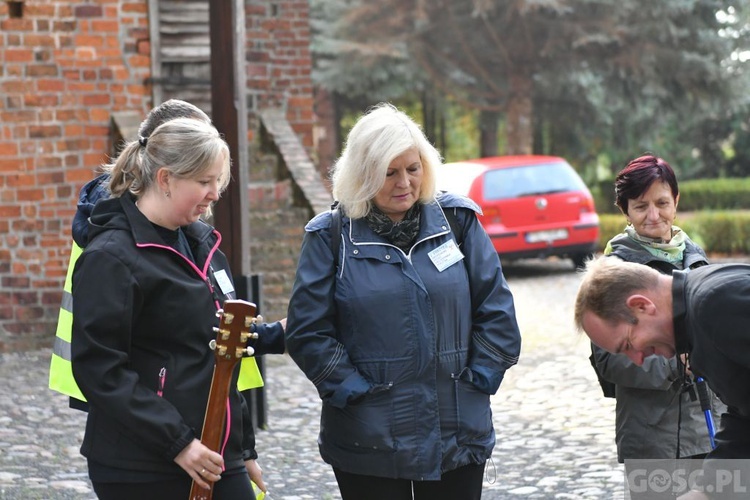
{"x": 555, "y": 432}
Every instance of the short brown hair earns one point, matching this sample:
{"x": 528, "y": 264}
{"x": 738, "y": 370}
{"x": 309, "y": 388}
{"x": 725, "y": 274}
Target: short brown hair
{"x": 606, "y": 285}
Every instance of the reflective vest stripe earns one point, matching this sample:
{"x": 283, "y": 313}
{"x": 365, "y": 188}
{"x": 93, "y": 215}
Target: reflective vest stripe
{"x": 67, "y": 302}
{"x": 61, "y": 348}
{"x": 61, "y": 378}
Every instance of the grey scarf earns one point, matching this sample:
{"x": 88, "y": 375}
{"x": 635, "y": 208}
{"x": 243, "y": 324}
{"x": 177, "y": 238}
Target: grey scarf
{"x": 402, "y": 233}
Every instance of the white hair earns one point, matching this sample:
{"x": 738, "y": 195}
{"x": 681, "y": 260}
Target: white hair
{"x": 378, "y": 137}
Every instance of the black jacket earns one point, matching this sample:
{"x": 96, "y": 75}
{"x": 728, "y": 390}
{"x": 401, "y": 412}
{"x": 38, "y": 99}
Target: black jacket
{"x": 142, "y": 321}
{"x": 711, "y": 308}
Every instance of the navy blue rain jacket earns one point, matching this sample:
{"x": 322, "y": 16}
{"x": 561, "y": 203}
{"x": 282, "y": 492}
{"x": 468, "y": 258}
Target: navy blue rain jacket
{"x": 404, "y": 357}
{"x": 93, "y": 191}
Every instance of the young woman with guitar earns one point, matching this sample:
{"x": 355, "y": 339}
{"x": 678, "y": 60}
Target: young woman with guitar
{"x": 146, "y": 292}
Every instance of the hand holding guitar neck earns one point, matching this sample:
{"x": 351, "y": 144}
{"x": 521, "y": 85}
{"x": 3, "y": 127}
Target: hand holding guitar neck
{"x": 229, "y": 348}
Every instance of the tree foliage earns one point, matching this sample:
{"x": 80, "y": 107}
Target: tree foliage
{"x": 357, "y": 68}
{"x": 581, "y": 78}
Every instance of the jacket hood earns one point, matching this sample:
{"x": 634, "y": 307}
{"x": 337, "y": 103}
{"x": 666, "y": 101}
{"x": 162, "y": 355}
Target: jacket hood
{"x": 108, "y": 214}
{"x": 120, "y": 213}
{"x": 92, "y": 192}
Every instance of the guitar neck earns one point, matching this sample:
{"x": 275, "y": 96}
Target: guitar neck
{"x": 216, "y": 412}
{"x": 232, "y": 336}
{"x": 217, "y": 406}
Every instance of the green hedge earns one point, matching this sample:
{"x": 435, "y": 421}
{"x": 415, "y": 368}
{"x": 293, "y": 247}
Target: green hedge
{"x": 715, "y": 194}
{"x": 719, "y": 232}
{"x": 609, "y": 226}
{"x": 699, "y": 194}
{"x": 726, "y": 232}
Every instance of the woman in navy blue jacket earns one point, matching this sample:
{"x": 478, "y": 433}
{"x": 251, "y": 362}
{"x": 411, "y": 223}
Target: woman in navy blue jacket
{"x": 146, "y": 290}
{"x": 410, "y": 331}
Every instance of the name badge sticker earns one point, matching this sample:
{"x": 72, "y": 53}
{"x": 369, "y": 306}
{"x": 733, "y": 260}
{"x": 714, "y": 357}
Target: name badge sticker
{"x": 445, "y": 255}
{"x": 223, "y": 281}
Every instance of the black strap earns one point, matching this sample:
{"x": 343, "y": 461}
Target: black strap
{"x": 608, "y": 388}
{"x": 456, "y": 228}
{"x": 335, "y": 232}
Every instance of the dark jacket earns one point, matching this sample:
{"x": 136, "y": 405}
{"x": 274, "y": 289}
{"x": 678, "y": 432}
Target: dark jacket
{"x": 404, "y": 356}
{"x": 143, "y": 316}
{"x": 651, "y": 406}
{"x": 93, "y": 191}
{"x": 711, "y": 308}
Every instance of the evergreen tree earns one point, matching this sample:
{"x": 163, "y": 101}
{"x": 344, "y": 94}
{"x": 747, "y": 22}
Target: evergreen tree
{"x": 568, "y": 73}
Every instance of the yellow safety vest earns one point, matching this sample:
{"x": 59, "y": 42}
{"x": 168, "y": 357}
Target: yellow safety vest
{"x": 60, "y": 371}
{"x": 259, "y": 495}
{"x": 250, "y": 377}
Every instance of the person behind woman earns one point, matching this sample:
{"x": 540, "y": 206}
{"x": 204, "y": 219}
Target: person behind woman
{"x": 656, "y": 417}
{"x": 410, "y": 331}
{"x": 146, "y": 289}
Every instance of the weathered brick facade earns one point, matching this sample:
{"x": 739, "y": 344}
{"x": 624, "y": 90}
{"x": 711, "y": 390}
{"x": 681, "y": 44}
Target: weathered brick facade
{"x": 279, "y": 64}
{"x": 65, "y": 67}
{"x": 285, "y": 188}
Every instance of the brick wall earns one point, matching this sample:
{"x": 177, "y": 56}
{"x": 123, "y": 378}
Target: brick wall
{"x": 278, "y": 75}
{"x": 65, "y": 66}
{"x": 280, "y": 206}
{"x": 279, "y": 63}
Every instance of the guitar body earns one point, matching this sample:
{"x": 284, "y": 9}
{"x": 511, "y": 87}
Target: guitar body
{"x": 229, "y": 348}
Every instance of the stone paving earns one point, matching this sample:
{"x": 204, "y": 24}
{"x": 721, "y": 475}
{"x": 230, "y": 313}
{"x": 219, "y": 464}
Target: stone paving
{"x": 555, "y": 432}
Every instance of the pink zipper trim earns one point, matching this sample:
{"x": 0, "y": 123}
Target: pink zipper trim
{"x": 202, "y": 273}
{"x": 167, "y": 247}
{"x": 227, "y": 428}
{"x": 212, "y": 251}
{"x": 162, "y": 381}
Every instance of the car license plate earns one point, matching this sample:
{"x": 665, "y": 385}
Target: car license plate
{"x": 551, "y": 235}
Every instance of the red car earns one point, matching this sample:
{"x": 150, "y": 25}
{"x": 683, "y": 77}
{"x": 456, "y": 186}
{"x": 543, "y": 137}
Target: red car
{"x": 533, "y": 206}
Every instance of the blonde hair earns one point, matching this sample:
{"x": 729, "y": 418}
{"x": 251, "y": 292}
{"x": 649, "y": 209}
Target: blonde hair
{"x": 378, "y": 137}
{"x": 184, "y": 146}
{"x": 606, "y": 285}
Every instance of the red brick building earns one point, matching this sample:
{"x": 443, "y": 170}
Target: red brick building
{"x": 72, "y": 71}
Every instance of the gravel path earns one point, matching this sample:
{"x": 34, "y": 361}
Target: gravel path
{"x": 555, "y": 432}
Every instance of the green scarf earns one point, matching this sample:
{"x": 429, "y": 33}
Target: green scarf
{"x": 670, "y": 251}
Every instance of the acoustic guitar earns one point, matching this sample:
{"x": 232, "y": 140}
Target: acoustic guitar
{"x": 230, "y": 346}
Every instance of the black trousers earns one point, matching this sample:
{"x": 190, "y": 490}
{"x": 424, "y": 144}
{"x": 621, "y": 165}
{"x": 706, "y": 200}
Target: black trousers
{"x": 233, "y": 487}
{"x": 464, "y": 483}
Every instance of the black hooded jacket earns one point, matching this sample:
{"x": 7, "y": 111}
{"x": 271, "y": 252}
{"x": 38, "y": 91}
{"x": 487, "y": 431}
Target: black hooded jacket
{"x": 142, "y": 322}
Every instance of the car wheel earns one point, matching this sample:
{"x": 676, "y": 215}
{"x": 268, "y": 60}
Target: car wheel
{"x": 579, "y": 260}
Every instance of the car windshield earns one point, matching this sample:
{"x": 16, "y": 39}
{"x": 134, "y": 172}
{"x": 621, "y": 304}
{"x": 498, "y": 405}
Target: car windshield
{"x": 531, "y": 180}
{"x": 457, "y": 177}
